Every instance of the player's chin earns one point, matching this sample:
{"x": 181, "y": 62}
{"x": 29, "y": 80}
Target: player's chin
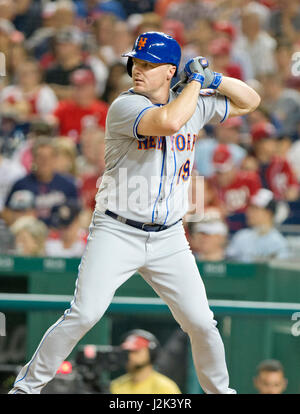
{"x": 139, "y": 86}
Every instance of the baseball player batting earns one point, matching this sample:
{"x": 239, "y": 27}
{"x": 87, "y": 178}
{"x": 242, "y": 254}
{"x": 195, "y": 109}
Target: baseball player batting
{"x": 150, "y": 135}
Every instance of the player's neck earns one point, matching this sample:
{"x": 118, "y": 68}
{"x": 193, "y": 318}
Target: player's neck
{"x": 160, "y": 97}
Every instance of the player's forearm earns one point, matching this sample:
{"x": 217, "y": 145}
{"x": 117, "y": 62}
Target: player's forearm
{"x": 180, "y": 110}
{"x": 240, "y": 94}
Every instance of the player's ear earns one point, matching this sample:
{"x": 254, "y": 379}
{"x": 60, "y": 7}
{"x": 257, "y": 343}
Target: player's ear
{"x": 171, "y": 72}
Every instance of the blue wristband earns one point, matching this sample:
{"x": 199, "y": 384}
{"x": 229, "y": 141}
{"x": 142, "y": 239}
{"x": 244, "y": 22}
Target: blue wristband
{"x": 197, "y": 77}
{"x": 217, "y": 80}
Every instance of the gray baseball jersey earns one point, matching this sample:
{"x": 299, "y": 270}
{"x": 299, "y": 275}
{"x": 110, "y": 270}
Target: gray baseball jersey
{"x": 147, "y": 178}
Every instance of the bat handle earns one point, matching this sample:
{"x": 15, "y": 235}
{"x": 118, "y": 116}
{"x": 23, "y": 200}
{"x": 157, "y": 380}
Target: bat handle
{"x": 176, "y": 86}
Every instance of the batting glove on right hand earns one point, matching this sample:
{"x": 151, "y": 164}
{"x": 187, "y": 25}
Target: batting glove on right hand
{"x": 193, "y": 70}
{"x": 197, "y": 69}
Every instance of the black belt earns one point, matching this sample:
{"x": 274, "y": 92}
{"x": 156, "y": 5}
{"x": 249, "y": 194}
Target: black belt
{"x": 138, "y": 225}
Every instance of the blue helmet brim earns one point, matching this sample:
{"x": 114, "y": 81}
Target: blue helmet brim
{"x": 143, "y": 56}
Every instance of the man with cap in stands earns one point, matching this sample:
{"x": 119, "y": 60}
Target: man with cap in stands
{"x": 261, "y": 241}
{"x": 229, "y": 133}
{"x": 71, "y": 239}
{"x": 141, "y": 378}
{"x": 275, "y": 171}
{"x": 208, "y": 236}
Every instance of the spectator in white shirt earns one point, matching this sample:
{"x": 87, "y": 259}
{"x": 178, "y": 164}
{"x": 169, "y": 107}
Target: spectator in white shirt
{"x": 258, "y": 43}
{"x": 261, "y": 241}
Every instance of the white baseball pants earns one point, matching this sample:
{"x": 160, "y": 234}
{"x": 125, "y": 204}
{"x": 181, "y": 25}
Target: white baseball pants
{"x": 114, "y": 252}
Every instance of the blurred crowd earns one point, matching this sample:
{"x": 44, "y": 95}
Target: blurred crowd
{"x": 61, "y": 68}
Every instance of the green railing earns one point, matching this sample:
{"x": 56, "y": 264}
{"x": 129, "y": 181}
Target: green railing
{"x": 38, "y": 302}
{"x": 256, "y": 306}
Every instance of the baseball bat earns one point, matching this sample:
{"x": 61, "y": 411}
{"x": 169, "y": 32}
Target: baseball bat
{"x": 176, "y": 86}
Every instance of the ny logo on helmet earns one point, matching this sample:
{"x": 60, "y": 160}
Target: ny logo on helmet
{"x": 142, "y": 42}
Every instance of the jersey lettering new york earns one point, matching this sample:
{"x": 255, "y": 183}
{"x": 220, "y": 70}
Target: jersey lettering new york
{"x": 147, "y": 178}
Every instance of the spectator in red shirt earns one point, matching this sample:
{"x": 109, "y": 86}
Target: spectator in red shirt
{"x": 235, "y": 187}
{"x": 84, "y": 110}
{"x": 275, "y": 171}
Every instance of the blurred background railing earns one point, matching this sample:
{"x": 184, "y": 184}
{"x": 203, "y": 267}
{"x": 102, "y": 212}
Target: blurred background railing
{"x": 255, "y": 305}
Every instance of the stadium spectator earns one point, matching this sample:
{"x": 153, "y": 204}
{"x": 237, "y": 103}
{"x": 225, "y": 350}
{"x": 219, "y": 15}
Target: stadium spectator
{"x": 220, "y": 50}
{"x": 229, "y": 133}
{"x": 196, "y": 42}
{"x": 141, "y": 377}
{"x": 23, "y": 150}
{"x": 103, "y": 26}
{"x": 28, "y": 98}
{"x": 140, "y": 7}
{"x": 202, "y": 196}
{"x": 116, "y": 71}
{"x": 68, "y": 58}
{"x": 285, "y": 20}
{"x": 189, "y": 11}
{"x": 70, "y": 240}
{"x": 121, "y": 41}
{"x": 208, "y": 236}
{"x": 18, "y": 55}
{"x": 149, "y": 22}
{"x": 22, "y": 203}
{"x": 65, "y": 14}
{"x": 10, "y": 172}
{"x": 261, "y": 241}
{"x": 84, "y": 110}
{"x": 270, "y": 377}
{"x": 30, "y": 234}
{"x": 13, "y": 133}
{"x": 275, "y": 171}
{"x": 235, "y": 187}
{"x": 7, "y": 10}
{"x": 40, "y": 41}
{"x": 283, "y": 57}
{"x": 91, "y": 159}
{"x": 250, "y": 163}
{"x": 90, "y": 166}
{"x": 66, "y": 153}
{"x": 91, "y": 8}
{"x": 161, "y": 6}
{"x": 226, "y": 30}
{"x": 9, "y": 36}
{"x": 27, "y": 16}
{"x": 49, "y": 188}
{"x": 293, "y": 157}
{"x": 257, "y": 42}
{"x": 281, "y": 102}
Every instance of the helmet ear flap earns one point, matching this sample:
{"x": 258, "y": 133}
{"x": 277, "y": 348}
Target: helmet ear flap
{"x": 129, "y": 66}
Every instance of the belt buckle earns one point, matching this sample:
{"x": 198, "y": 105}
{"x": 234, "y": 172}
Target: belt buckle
{"x": 147, "y": 224}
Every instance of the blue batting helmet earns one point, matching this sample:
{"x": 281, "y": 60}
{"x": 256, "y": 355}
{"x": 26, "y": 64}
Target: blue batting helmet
{"x": 155, "y": 47}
